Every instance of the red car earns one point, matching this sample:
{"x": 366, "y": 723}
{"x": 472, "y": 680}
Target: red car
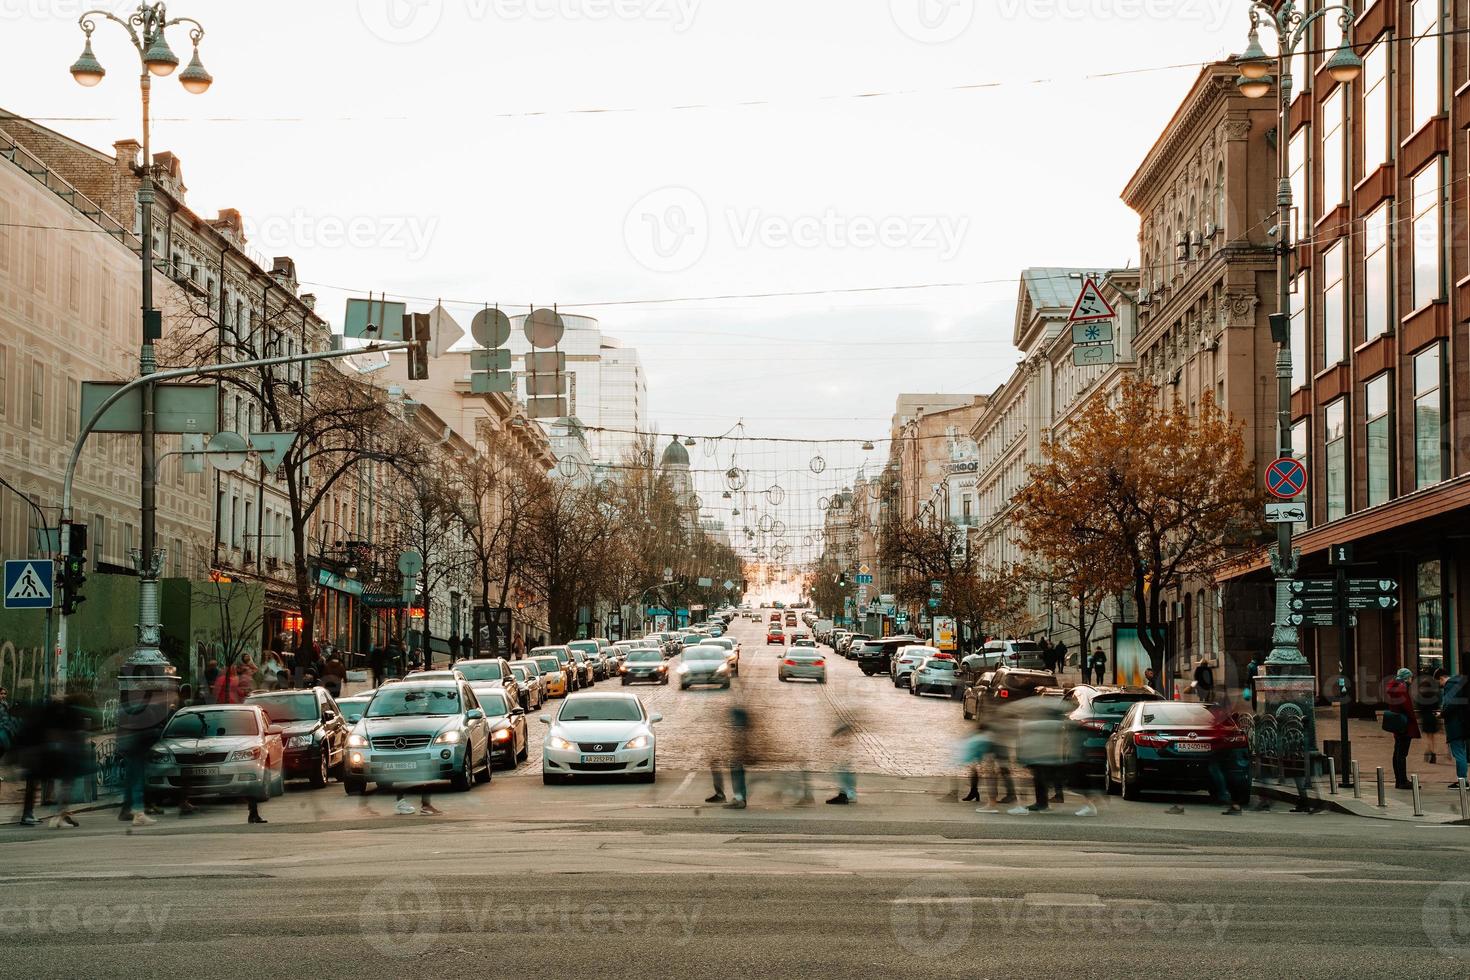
{"x": 775, "y": 636}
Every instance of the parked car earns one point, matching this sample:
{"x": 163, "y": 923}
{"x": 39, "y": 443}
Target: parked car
{"x": 489, "y": 670}
{"x": 807, "y": 663}
{"x": 874, "y": 656}
{"x": 554, "y": 676}
{"x": 972, "y": 666}
{"x": 646, "y": 665}
{"x": 704, "y": 664}
{"x": 935, "y": 675}
{"x": 905, "y": 661}
{"x": 1096, "y": 711}
{"x": 218, "y": 750}
{"x": 851, "y": 643}
{"x": 509, "y": 742}
{"x": 571, "y": 671}
{"x": 600, "y": 734}
{"x": 591, "y": 659}
{"x": 1013, "y": 653}
{"x": 581, "y": 665}
{"x": 529, "y": 689}
{"x": 417, "y": 732}
{"x": 313, "y": 731}
{"x": 1005, "y": 685}
{"x": 1174, "y": 745}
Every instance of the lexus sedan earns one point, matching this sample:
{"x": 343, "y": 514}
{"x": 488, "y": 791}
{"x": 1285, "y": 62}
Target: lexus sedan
{"x": 419, "y": 732}
{"x": 602, "y": 734}
{"x": 219, "y": 750}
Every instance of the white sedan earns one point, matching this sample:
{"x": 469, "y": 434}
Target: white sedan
{"x": 600, "y": 735}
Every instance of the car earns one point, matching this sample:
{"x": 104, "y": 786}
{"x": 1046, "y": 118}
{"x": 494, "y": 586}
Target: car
{"x": 352, "y": 707}
{"x": 313, "y": 731}
{"x": 874, "y": 656}
{"x": 218, "y": 750}
{"x": 971, "y": 667}
{"x": 1177, "y": 745}
{"x": 906, "y": 660}
{"x": 581, "y": 665}
{"x": 570, "y": 669}
{"x": 803, "y": 662}
{"x": 509, "y": 740}
{"x": 529, "y": 689}
{"x": 418, "y": 732}
{"x": 690, "y": 638}
{"x": 1096, "y": 711}
{"x": 935, "y": 675}
{"x": 732, "y": 652}
{"x": 488, "y": 670}
{"x": 448, "y": 674}
{"x": 1014, "y": 653}
{"x": 704, "y": 664}
{"x": 596, "y": 668}
{"x": 554, "y": 675}
{"x": 645, "y": 664}
{"x": 834, "y": 639}
{"x": 851, "y": 643}
{"x": 776, "y": 618}
{"x": 1005, "y": 685}
{"x": 601, "y": 734}
{"x": 802, "y": 640}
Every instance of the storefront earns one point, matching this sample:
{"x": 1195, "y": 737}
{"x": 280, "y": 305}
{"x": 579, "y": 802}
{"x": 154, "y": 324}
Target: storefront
{"x": 337, "y": 610}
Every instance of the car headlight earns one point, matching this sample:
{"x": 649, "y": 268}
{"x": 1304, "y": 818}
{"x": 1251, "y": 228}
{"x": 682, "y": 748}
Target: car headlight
{"x": 299, "y": 742}
{"x": 447, "y": 738}
{"x": 640, "y": 742}
{"x": 500, "y": 734}
{"x": 160, "y": 755}
{"x": 244, "y": 755}
{"x": 357, "y": 741}
{"x": 560, "y": 744}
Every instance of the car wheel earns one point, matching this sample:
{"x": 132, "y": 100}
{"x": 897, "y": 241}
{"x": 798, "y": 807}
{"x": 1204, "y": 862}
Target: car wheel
{"x": 354, "y": 787}
{"x": 320, "y": 774}
{"x": 665, "y": 679}
{"x": 1131, "y": 790}
{"x": 524, "y": 752}
{"x": 822, "y": 679}
{"x": 463, "y": 780}
{"x": 726, "y": 685}
{"x": 278, "y": 781}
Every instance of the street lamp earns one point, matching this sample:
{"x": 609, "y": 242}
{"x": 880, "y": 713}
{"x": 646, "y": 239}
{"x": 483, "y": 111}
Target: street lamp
{"x": 1291, "y": 23}
{"x": 147, "y": 28}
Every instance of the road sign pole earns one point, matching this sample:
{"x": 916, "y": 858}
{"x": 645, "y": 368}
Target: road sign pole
{"x": 1344, "y": 666}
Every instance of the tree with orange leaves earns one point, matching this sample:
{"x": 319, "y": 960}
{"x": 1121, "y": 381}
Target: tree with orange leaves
{"x": 1137, "y": 497}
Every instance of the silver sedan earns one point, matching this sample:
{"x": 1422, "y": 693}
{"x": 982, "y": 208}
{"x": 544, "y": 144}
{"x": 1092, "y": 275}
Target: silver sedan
{"x": 935, "y": 675}
{"x": 804, "y": 662}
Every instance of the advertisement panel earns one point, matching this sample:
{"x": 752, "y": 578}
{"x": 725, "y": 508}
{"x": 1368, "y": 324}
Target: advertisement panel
{"x": 945, "y": 634}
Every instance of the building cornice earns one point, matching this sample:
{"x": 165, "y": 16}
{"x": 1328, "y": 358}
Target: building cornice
{"x": 1212, "y": 88}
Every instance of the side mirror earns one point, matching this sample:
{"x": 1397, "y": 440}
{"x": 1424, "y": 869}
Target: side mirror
{"x": 655, "y": 718}
{"x": 273, "y": 729}
{"x": 329, "y": 715}
{"x": 545, "y": 719}
{"x": 474, "y": 714}
{"x": 517, "y": 711}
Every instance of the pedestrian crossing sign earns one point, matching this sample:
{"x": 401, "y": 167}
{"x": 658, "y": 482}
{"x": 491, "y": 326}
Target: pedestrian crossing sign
{"x": 30, "y": 584}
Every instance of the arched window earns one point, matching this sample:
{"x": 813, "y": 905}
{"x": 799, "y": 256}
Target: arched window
{"x": 1220, "y": 196}
{"x": 1188, "y": 645}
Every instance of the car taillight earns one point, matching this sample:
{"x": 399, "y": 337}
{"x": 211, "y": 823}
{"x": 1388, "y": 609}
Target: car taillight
{"x": 1003, "y": 693}
{"x": 1150, "y": 741}
{"x": 789, "y": 662}
{"x": 819, "y": 663}
{"x": 1095, "y": 725}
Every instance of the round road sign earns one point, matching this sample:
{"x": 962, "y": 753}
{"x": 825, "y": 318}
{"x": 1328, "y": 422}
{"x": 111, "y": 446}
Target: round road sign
{"x": 490, "y": 328}
{"x": 1286, "y": 478}
{"x": 544, "y": 328}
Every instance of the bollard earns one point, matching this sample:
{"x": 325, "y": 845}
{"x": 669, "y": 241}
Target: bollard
{"x": 1464, "y": 801}
{"x": 1357, "y": 783}
{"x": 1331, "y": 776}
{"x": 1382, "y": 797}
{"x": 1418, "y": 804}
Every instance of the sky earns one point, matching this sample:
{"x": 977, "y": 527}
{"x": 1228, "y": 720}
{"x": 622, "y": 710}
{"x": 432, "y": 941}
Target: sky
{"x": 666, "y": 165}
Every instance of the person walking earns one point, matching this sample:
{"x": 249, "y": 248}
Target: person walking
{"x": 518, "y": 646}
{"x": 1059, "y": 658}
{"x": 1400, "y": 722}
{"x": 1097, "y": 665}
{"x": 334, "y": 675}
{"x": 740, "y": 746}
{"x": 984, "y": 752}
{"x": 376, "y": 664}
{"x": 1040, "y": 748}
{"x": 1454, "y": 709}
{"x": 141, "y": 715}
{"x": 1204, "y": 681}
{"x": 842, "y": 737}
{"x": 1426, "y": 700}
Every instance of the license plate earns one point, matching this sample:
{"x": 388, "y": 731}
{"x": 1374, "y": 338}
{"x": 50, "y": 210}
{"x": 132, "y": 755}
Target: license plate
{"x": 599, "y": 758}
{"x": 201, "y": 771}
{"x": 397, "y": 765}
{"x": 1192, "y": 746}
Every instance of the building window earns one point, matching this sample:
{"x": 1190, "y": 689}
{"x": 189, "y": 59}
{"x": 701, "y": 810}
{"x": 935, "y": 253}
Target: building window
{"x": 1300, "y": 436}
{"x": 38, "y": 394}
{"x": 1334, "y": 305}
{"x": 1427, "y": 242}
{"x": 1379, "y": 435}
{"x": 1334, "y": 156}
{"x": 1429, "y": 416}
{"x": 1220, "y": 197}
{"x": 1334, "y": 440}
{"x": 73, "y": 408}
{"x": 1429, "y": 609}
{"x": 1299, "y": 357}
{"x": 1424, "y": 60}
{"x": 1297, "y": 166}
{"x": 1377, "y": 274}
{"x": 4, "y": 380}
{"x": 1376, "y": 107}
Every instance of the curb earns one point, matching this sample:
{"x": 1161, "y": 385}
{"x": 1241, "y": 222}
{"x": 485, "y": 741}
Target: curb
{"x": 1350, "y": 806}
{"x": 92, "y": 807}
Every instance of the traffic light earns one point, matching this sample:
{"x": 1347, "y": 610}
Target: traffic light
{"x": 842, "y": 580}
{"x": 418, "y": 333}
{"x": 74, "y": 570}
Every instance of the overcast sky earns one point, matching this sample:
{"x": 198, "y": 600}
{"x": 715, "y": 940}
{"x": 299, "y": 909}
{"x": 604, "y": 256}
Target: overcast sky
{"x": 442, "y": 148}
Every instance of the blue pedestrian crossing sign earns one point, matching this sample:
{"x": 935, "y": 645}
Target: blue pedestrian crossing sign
{"x": 30, "y": 584}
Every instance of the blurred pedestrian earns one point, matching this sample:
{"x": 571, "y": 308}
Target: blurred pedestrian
{"x": 518, "y": 647}
{"x": 141, "y": 715}
{"x": 1150, "y": 680}
{"x": 1454, "y": 709}
{"x": 425, "y": 807}
{"x": 376, "y": 664}
{"x": 1204, "y": 681}
{"x": 1098, "y": 665}
{"x": 334, "y": 675}
{"x": 842, "y": 738}
{"x": 1040, "y": 747}
{"x": 739, "y": 755}
{"x": 1059, "y": 658}
{"x": 1399, "y": 721}
{"x": 211, "y": 678}
{"x": 1426, "y": 700}
{"x": 985, "y": 754}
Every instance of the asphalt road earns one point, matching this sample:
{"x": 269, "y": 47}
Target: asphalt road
{"x": 612, "y": 880}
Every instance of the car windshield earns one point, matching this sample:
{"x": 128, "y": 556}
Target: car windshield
{"x": 352, "y": 708}
{"x": 1029, "y": 682}
{"x": 645, "y": 657}
{"x": 523, "y": 671}
{"x": 281, "y": 708}
{"x": 600, "y": 709}
{"x": 209, "y": 724}
{"x": 704, "y": 653}
{"x": 548, "y": 665}
{"x": 479, "y": 671}
{"x": 586, "y": 646}
{"x": 414, "y": 700}
{"x": 1178, "y": 713}
{"x": 492, "y": 702}
{"x": 936, "y": 664}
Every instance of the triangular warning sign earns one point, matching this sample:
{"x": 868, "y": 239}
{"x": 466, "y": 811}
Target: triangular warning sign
{"x": 28, "y": 585}
{"x": 1091, "y": 305}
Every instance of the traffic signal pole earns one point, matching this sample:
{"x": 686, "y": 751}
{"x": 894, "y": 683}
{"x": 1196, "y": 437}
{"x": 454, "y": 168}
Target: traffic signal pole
{"x": 146, "y": 381}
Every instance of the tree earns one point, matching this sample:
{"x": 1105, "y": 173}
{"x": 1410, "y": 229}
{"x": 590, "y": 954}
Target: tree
{"x": 1139, "y": 494}
{"x": 427, "y": 521}
{"x": 571, "y": 531}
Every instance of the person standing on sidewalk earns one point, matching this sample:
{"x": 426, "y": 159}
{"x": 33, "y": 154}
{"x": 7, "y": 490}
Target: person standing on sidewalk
{"x": 1426, "y": 698}
{"x": 141, "y": 715}
{"x": 1097, "y": 665}
{"x": 1399, "y": 721}
{"x": 1204, "y": 682}
{"x": 1454, "y": 708}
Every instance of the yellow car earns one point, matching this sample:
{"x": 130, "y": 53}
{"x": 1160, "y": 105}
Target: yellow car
{"x": 552, "y": 676}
